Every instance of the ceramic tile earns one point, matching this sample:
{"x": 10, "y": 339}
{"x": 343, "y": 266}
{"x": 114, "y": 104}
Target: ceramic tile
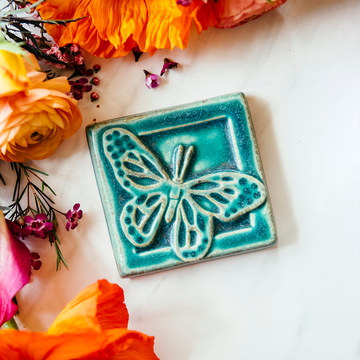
{"x": 182, "y": 185}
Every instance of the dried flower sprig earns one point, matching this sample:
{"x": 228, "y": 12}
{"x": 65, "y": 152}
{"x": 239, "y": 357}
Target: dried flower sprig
{"x": 12, "y": 29}
{"x": 39, "y": 216}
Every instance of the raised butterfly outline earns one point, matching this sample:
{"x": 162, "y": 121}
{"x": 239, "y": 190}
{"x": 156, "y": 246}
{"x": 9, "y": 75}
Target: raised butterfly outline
{"x": 192, "y": 204}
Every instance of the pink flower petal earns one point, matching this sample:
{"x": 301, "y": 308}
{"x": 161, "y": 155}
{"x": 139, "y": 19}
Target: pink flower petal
{"x": 15, "y": 261}
{"x": 41, "y": 217}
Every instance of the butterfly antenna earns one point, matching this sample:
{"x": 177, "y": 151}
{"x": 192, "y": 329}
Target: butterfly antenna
{"x": 188, "y": 155}
{"x": 177, "y": 162}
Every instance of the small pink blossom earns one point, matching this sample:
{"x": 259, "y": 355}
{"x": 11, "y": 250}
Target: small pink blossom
{"x": 35, "y": 262}
{"x": 59, "y": 66}
{"x": 151, "y": 80}
{"x": 38, "y": 226}
{"x": 73, "y": 217}
{"x": 79, "y": 59}
{"x": 75, "y": 48}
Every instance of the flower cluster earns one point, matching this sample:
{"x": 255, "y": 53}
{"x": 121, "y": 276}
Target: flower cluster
{"x": 70, "y": 55}
{"x": 16, "y": 261}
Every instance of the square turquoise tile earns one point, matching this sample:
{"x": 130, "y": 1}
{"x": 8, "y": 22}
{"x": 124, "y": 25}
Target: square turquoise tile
{"x": 182, "y": 185}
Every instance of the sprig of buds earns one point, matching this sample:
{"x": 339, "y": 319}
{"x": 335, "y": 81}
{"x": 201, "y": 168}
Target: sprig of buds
{"x": 39, "y": 216}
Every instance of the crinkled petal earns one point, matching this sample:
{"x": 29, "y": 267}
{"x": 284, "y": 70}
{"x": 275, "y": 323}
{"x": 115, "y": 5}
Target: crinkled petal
{"x": 99, "y": 307}
{"x": 15, "y": 261}
{"x": 120, "y": 344}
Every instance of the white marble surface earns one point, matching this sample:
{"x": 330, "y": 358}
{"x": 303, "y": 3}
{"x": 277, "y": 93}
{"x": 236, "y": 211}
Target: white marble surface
{"x": 299, "y": 67}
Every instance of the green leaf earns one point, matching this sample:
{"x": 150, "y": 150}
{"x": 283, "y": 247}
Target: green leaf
{"x": 36, "y": 170}
{"x": 12, "y": 47}
{"x": 50, "y": 188}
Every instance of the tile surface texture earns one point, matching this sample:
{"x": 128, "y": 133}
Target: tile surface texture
{"x": 182, "y": 185}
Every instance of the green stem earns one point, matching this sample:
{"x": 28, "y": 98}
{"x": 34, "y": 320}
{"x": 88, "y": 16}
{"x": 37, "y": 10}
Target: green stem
{"x": 11, "y": 324}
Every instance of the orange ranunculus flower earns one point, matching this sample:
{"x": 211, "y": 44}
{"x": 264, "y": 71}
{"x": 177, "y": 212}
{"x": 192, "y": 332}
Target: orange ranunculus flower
{"x": 12, "y": 73}
{"x": 35, "y": 116}
{"x": 92, "y": 326}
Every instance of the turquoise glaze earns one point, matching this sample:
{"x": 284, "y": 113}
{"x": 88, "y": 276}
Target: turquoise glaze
{"x": 182, "y": 185}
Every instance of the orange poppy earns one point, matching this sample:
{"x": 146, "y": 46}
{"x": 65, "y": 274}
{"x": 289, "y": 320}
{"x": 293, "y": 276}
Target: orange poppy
{"x": 92, "y": 326}
{"x": 112, "y": 28}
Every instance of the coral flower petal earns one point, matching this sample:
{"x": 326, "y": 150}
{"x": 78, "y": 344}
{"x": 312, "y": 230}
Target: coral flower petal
{"x": 120, "y": 344}
{"x": 89, "y": 328}
{"x": 100, "y": 306}
{"x": 113, "y": 28}
{"x": 15, "y": 261}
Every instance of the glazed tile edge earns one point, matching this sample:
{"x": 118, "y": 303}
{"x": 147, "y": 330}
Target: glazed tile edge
{"x": 107, "y": 195}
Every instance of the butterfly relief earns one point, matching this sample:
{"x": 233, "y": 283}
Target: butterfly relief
{"x": 189, "y": 207}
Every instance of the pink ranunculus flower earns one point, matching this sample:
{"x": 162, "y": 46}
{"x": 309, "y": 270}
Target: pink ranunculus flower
{"x": 15, "y": 262}
{"x": 230, "y": 13}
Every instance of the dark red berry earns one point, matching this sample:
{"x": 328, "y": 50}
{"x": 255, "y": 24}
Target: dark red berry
{"x": 96, "y": 68}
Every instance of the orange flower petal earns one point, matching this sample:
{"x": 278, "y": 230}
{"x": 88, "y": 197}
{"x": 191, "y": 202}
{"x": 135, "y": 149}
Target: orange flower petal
{"x": 112, "y": 344}
{"x": 112, "y": 28}
{"x": 59, "y": 84}
{"x": 13, "y": 76}
{"x": 99, "y": 307}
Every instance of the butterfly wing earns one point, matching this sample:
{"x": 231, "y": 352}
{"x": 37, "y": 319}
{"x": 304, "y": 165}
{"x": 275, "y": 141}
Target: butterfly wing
{"x": 141, "y": 217}
{"x": 225, "y": 195}
{"x": 192, "y": 231}
{"x": 141, "y": 174}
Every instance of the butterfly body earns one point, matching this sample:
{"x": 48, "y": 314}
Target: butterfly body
{"x": 188, "y": 206}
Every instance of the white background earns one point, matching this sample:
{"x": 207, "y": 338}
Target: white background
{"x": 299, "y": 68}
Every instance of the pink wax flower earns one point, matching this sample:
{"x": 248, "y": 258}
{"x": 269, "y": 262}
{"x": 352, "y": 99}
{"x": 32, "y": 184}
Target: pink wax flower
{"x": 73, "y": 217}
{"x": 15, "y": 261}
{"x": 38, "y": 227}
{"x": 151, "y": 80}
{"x": 168, "y": 64}
{"x": 75, "y": 48}
{"x": 15, "y": 229}
{"x": 35, "y": 262}
{"x": 79, "y": 59}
